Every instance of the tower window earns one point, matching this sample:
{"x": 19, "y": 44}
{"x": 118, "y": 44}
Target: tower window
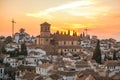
{"x": 46, "y": 39}
{"x": 75, "y": 50}
{"x": 64, "y": 42}
{"x": 72, "y": 42}
{"x": 65, "y": 50}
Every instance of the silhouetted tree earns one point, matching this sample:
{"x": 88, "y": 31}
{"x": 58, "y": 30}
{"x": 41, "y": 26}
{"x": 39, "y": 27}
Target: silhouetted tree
{"x": 74, "y": 33}
{"x": 109, "y": 58}
{"x": 3, "y": 50}
{"x": 81, "y": 36}
{"x": 22, "y": 30}
{"x": 8, "y": 39}
{"x": 68, "y": 32}
{"x": 57, "y": 32}
{"x": 2, "y": 37}
{"x": 52, "y": 41}
{"x": 114, "y": 55}
{"x": 97, "y": 53}
{"x": 14, "y": 53}
{"x": 11, "y": 72}
{"x": 62, "y": 33}
{"x": 23, "y": 49}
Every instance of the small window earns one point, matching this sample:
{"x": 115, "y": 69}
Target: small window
{"x": 72, "y": 42}
{"x": 46, "y": 39}
{"x": 64, "y": 42}
{"x": 72, "y": 50}
{"x": 65, "y": 50}
{"x": 75, "y": 49}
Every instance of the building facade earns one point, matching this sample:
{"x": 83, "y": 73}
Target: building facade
{"x": 44, "y": 38}
{"x": 57, "y": 43}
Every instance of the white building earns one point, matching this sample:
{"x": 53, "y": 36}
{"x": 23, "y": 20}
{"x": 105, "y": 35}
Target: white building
{"x": 67, "y": 43}
{"x": 85, "y": 43}
{"x": 9, "y": 60}
{"x": 113, "y": 65}
{"x": 35, "y": 52}
{"x": 32, "y": 61}
{"x": 43, "y": 69}
{"x": 15, "y": 63}
{"x": 22, "y": 36}
{"x": 68, "y": 75}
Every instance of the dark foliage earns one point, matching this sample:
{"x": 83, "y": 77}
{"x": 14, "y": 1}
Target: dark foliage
{"x": 23, "y": 49}
{"x": 97, "y": 53}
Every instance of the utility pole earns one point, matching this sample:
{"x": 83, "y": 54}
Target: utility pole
{"x": 13, "y": 22}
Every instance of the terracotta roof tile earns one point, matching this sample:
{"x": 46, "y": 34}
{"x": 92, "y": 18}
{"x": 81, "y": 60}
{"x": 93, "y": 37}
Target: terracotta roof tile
{"x": 46, "y": 65}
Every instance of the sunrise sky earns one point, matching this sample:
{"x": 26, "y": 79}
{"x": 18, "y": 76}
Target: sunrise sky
{"x": 101, "y": 17}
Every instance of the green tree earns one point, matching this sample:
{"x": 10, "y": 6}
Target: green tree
{"x": 3, "y": 50}
{"x": 52, "y": 41}
{"x": 8, "y": 39}
{"x": 97, "y": 53}
{"x": 22, "y": 30}
{"x": 2, "y": 37}
{"x": 23, "y": 49}
{"x": 11, "y": 72}
{"x": 14, "y": 53}
{"x": 114, "y": 55}
{"x": 1, "y": 60}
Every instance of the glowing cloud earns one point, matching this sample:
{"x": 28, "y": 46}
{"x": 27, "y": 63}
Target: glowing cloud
{"x": 71, "y": 5}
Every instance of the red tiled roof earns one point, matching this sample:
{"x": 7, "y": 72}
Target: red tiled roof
{"x": 112, "y": 63}
{"x": 46, "y": 65}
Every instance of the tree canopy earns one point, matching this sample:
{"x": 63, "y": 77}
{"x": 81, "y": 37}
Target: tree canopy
{"x": 114, "y": 55}
{"x": 8, "y": 39}
{"x": 97, "y": 53}
{"x": 23, "y": 49}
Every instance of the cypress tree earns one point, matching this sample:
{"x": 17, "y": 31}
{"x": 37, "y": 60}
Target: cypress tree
{"x": 23, "y": 49}
{"x": 114, "y": 56}
{"x": 97, "y": 53}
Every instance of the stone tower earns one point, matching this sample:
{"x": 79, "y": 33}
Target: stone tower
{"x": 45, "y": 33}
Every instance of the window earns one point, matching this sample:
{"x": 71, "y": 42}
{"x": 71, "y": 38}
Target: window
{"x": 46, "y": 39}
{"x": 64, "y": 42}
{"x": 72, "y": 50}
{"x": 65, "y": 50}
{"x": 75, "y": 49}
{"x": 72, "y": 42}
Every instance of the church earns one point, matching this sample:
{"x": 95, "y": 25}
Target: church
{"x": 57, "y": 43}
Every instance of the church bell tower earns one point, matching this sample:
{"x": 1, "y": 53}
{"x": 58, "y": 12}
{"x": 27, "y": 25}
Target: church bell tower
{"x": 45, "y": 33}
